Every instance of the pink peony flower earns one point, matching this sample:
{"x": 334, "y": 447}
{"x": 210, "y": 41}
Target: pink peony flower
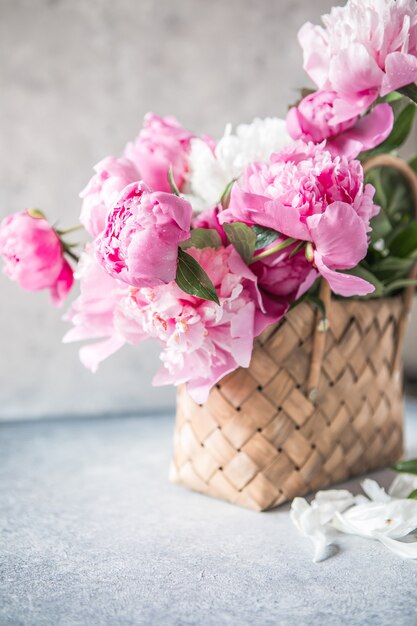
{"x": 202, "y": 342}
{"x": 97, "y": 313}
{"x": 162, "y": 143}
{"x": 300, "y": 193}
{"x": 139, "y": 244}
{"x": 285, "y": 276}
{"x": 367, "y": 48}
{"x": 313, "y": 120}
{"x": 111, "y": 177}
{"x": 33, "y": 255}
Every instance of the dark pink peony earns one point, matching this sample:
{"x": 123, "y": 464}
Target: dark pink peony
{"x": 309, "y": 195}
{"x": 33, "y": 255}
{"x": 314, "y": 120}
{"x": 139, "y": 244}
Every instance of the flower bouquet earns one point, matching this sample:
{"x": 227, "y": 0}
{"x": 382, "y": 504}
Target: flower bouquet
{"x": 275, "y": 267}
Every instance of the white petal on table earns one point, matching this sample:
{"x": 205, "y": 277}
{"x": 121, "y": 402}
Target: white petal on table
{"x": 375, "y": 492}
{"x": 403, "y": 485}
{"x": 394, "y": 519}
{"x": 386, "y": 517}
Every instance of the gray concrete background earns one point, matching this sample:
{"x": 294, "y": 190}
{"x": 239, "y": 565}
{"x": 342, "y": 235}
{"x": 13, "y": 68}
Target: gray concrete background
{"x": 76, "y": 79}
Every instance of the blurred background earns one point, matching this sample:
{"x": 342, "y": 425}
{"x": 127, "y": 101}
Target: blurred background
{"x": 77, "y": 78}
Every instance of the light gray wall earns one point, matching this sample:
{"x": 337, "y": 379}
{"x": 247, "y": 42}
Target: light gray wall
{"x": 76, "y": 78}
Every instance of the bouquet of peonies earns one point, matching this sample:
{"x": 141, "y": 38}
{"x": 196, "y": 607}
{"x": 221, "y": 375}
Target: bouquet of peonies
{"x": 202, "y": 244}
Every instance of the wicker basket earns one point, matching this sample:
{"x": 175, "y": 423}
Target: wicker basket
{"x": 318, "y": 404}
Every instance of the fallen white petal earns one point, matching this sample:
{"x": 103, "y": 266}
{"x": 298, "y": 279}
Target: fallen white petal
{"x": 385, "y": 517}
{"x": 375, "y": 492}
{"x": 394, "y": 519}
{"x": 403, "y": 485}
{"x": 307, "y": 519}
{"x": 328, "y": 502}
{"x": 402, "y": 548}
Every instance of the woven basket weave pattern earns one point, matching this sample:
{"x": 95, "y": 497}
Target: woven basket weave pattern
{"x": 259, "y": 440}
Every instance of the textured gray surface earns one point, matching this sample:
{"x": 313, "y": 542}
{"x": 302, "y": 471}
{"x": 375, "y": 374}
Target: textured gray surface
{"x": 92, "y": 534}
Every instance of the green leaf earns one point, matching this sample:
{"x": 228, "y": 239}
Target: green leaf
{"x": 413, "y": 495}
{"x": 392, "y": 265}
{"x": 396, "y": 202}
{"x": 391, "y": 97}
{"x": 264, "y": 236}
{"x": 404, "y": 113}
{"x": 172, "y": 182}
{"x": 410, "y": 91}
{"x": 242, "y": 238}
{"x": 192, "y": 279}
{"x": 413, "y": 163}
{"x": 400, "y": 284}
{"x": 203, "y": 238}
{"x": 405, "y": 241}
{"x": 406, "y": 467}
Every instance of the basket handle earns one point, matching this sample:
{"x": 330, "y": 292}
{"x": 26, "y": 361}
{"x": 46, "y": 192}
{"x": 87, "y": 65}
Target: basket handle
{"x": 319, "y": 339}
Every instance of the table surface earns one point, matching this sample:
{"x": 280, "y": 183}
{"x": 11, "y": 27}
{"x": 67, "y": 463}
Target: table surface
{"x": 93, "y": 534}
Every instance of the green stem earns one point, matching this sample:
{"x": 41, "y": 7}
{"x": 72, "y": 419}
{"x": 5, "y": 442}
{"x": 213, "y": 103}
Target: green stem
{"x": 297, "y": 249}
{"x": 71, "y": 254}
{"x": 70, "y": 230}
{"x": 269, "y": 251}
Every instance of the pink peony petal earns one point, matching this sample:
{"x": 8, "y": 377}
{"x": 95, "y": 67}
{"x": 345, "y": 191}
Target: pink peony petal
{"x": 353, "y": 68}
{"x": 367, "y": 133}
{"x": 343, "y": 284}
{"x": 286, "y": 220}
{"x": 316, "y": 53}
{"x": 401, "y": 70}
{"x": 91, "y": 356}
{"x": 339, "y": 235}
{"x": 247, "y": 207}
{"x": 61, "y": 288}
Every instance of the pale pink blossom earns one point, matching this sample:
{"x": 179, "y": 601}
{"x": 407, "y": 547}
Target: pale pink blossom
{"x": 162, "y": 143}
{"x": 139, "y": 244}
{"x": 313, "y": 120}
{"x": 97, "y": 313}
{"x": 366, "y": 49}
{"x": 33, "y": 255}
{"x": 111, "y": 177}
{"x": 202, "y": 341}
{"x": 307, "y": 194}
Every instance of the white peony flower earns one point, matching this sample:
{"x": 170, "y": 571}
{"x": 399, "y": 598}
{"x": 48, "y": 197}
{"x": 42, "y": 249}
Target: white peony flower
{"x": 386, "y": 517}
{"x": 210, "y": 173}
